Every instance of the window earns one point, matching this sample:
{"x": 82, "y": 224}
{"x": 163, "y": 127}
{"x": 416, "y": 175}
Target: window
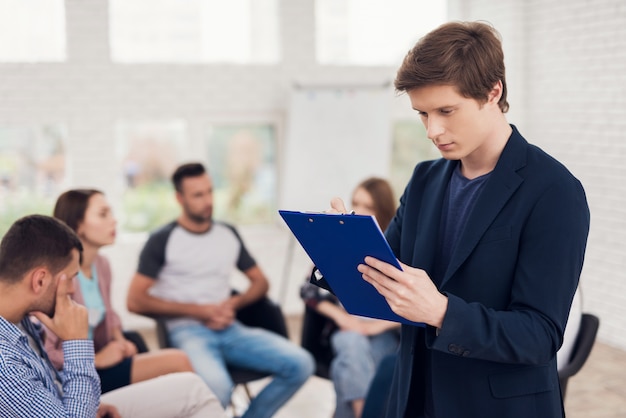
{"x": 242, "y": 164}
{"x": 32, "y": 31}
{"x": 148, "y": 154}
{"x": 410, "y": 145}
{"x": 194, "y": 31}
{"x": 32, "y": 171}
{"x": 372, "y": 32}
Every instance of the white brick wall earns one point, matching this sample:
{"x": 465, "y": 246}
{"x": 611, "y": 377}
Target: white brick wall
{"x": 88, "y": 94}
{"x": 566, "y": 70}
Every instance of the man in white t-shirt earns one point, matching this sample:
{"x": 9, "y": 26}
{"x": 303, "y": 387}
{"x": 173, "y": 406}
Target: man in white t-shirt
{"x": 184, "y": 273}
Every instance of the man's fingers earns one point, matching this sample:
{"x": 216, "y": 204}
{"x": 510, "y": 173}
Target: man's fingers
{"x": 337, "y": 204}
{"x": 64, "y": 287}
{"x": 380, "y": 287}
{"x": 375, "y": 278}
{"x": 385, "y": 268}
{"x": 44, "y": 319}
{"x": 405, "y": 267}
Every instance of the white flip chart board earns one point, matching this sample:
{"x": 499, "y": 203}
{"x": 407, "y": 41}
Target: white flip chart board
{"x": 335, "y": 137}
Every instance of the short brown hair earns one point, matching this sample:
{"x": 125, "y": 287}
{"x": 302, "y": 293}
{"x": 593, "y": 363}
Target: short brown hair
{"x": 466, "y": 55}
{"x": 184, "y": 171}
{"x": 382, "y": 195}
{"x": 72, "y": 205}
{"x": 35, "y": 241}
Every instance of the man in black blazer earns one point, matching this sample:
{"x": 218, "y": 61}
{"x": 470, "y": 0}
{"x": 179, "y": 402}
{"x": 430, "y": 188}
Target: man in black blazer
{"x": 491, "y": 239}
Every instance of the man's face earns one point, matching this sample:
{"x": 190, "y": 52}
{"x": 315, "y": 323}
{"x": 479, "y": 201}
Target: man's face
{"x": 48, "y": 300}
{"x": 459, "y": 127}
{"x": 196, "y": 198}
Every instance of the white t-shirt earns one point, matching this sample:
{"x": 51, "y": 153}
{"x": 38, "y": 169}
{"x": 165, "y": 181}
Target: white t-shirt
{"x": 191, "y": 267}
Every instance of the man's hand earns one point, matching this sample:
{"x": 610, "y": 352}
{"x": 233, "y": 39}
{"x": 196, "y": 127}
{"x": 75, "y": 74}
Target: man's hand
{"x": 409, "y": 292}
{"x": 223, "y": 316}
{"x": 70, "y": 320}
{"x": 107, "y": 411}
{"x": 233, "y": 302}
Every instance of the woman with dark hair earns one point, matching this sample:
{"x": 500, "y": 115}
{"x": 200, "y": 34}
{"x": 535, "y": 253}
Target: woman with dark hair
{"x": 358, "y": 343}
{"x": 88, "y": 213}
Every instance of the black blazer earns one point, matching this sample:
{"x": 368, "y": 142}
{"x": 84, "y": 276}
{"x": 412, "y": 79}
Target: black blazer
{"x": 510, "y": 283}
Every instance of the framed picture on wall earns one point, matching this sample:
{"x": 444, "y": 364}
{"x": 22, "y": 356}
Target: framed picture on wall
{"x": 243, "y": 165}
{"x": 148, "y": 152}
{"x": 32, "y": 170}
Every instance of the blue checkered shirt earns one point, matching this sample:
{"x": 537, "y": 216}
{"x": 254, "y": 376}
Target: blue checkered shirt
{"x": 27, "y": 381}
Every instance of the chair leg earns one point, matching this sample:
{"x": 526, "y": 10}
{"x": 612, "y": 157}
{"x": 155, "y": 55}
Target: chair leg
{"x": 248, "y": 395}
{"x": 247, "y": 390}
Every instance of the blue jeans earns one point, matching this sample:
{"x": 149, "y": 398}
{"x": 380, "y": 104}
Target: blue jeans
{"x": 250, "y": 348}
{"x": 380, "y": 387}
{"x": 352, "y": 369}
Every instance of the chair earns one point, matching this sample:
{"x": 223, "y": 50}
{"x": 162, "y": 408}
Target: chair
{"x": 582, "y": 348}
{"x": 315, "y": 338}
{"x": 261, "y": 314}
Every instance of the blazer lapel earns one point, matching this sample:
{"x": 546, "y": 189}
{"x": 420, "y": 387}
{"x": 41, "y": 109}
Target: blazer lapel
{"x": 502, "y": 184}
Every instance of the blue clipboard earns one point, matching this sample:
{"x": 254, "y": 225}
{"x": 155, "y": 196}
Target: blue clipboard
{"x": 337, "y": 244}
